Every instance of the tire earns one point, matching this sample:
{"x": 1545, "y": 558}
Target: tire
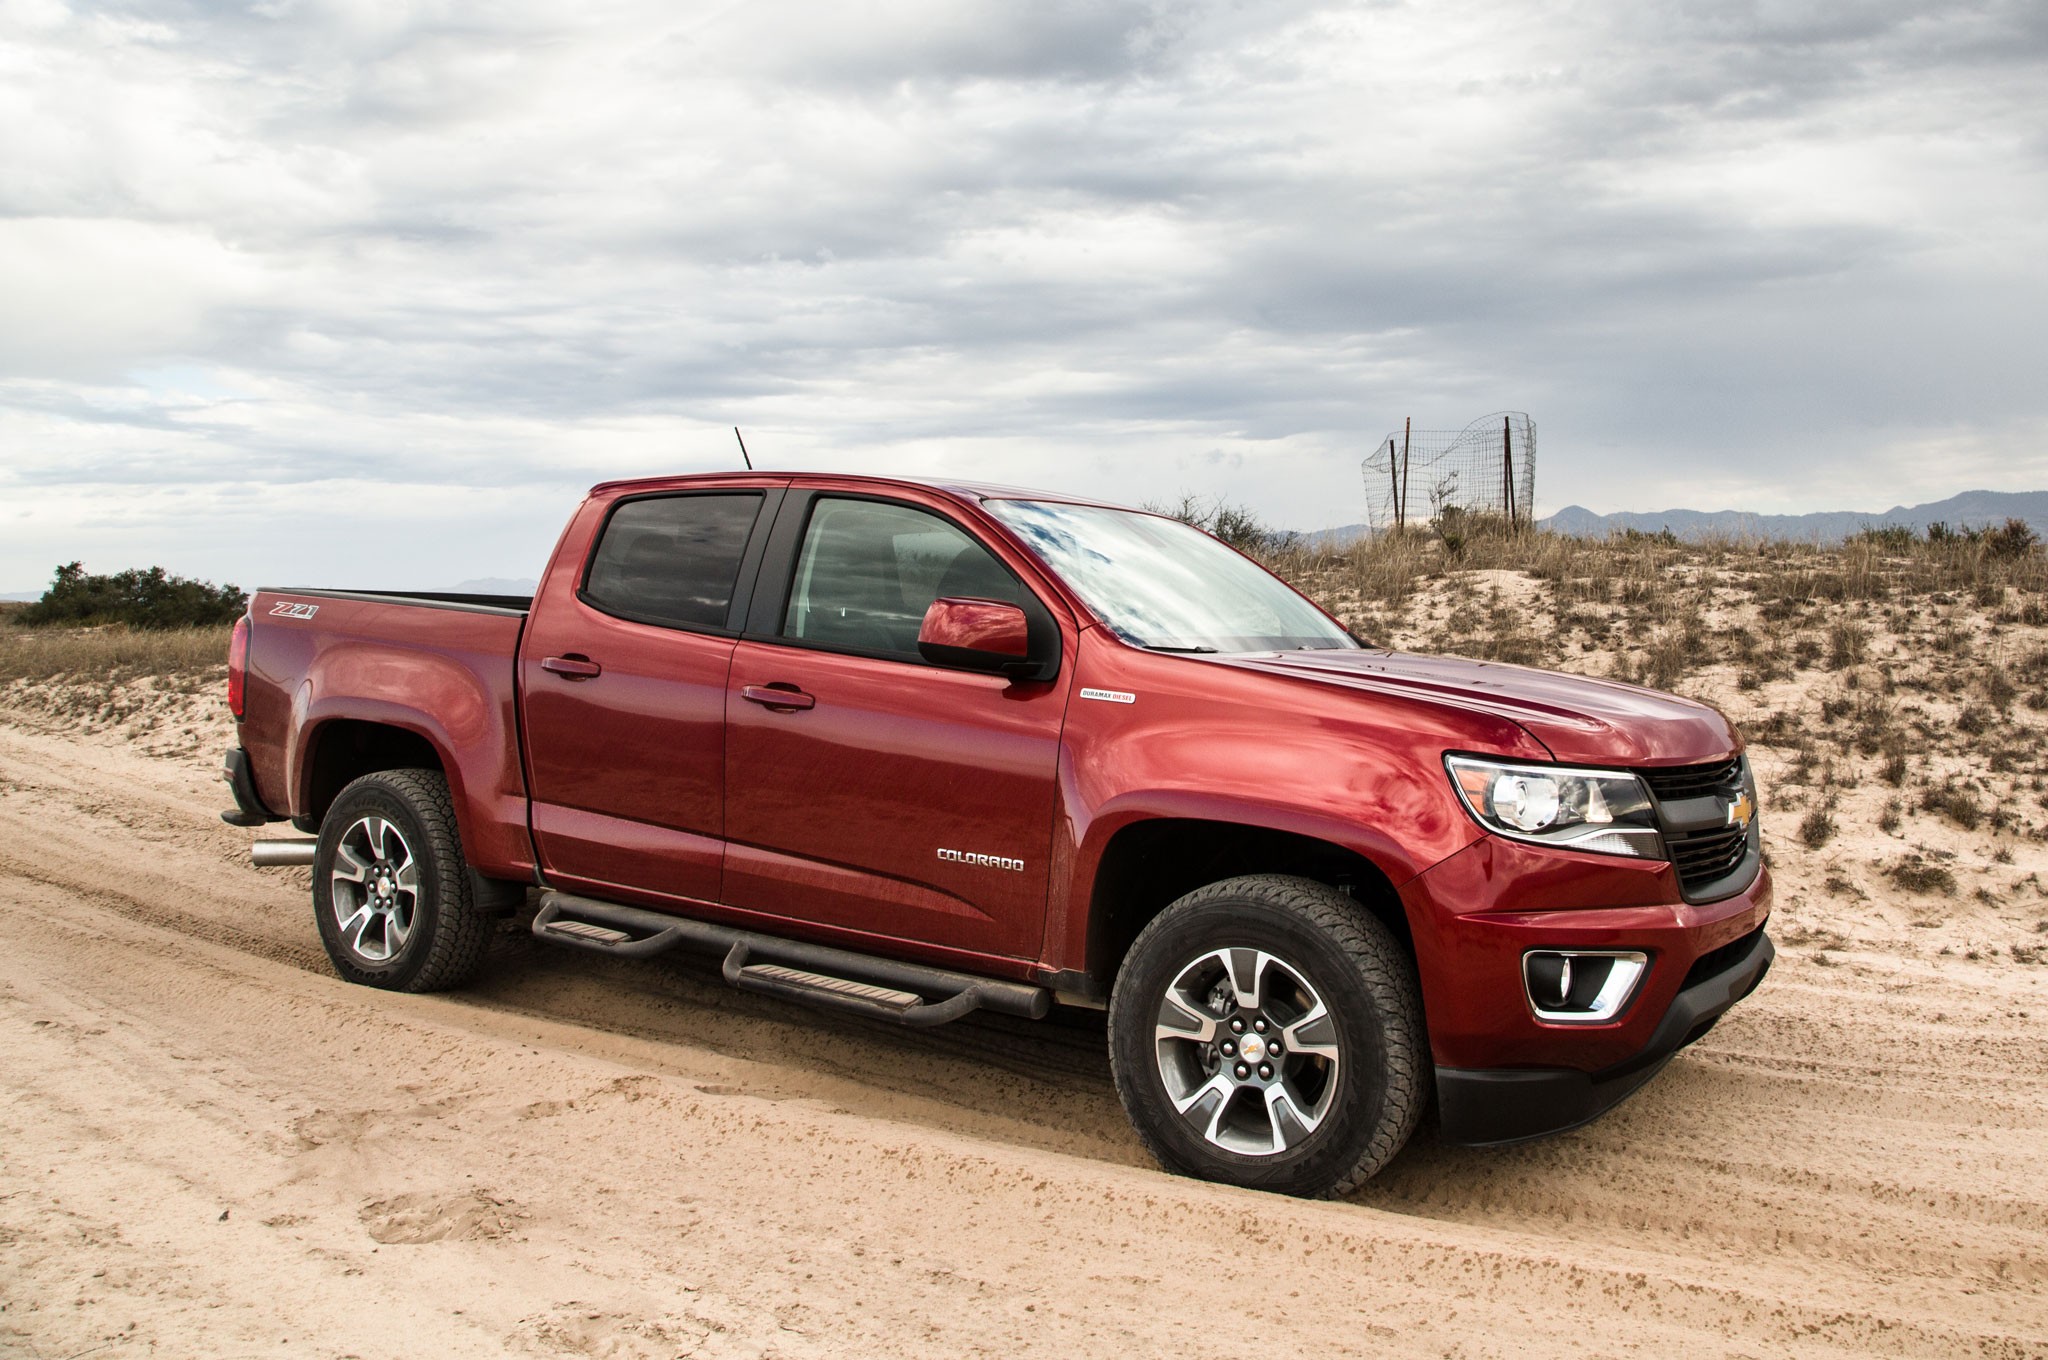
{"x": 1311, "y": 967}
{"x": 394, "y": 900}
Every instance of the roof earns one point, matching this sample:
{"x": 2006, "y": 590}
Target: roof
{"x": 963, "y": 490}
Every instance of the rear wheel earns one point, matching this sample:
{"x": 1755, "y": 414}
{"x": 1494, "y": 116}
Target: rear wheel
{"x": 1267, "y": 1031}
{"x": 394, "y": 900}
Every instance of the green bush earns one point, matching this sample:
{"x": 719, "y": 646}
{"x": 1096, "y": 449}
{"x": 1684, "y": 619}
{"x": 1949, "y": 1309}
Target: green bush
{"x": 148, "y": 599}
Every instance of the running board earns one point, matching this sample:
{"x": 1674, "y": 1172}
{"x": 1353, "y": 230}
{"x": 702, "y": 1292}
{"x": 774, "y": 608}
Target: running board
{"x": 882, "y": 989}
{"x": 773, "y": 976}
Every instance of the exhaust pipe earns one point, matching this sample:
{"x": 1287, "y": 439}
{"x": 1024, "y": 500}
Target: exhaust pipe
{"x": 282, "y": 854}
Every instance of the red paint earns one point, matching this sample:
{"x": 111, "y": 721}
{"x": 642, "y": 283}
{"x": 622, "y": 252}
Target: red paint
{"x": 976, "y": 626}
{"x": 880, "y": 803}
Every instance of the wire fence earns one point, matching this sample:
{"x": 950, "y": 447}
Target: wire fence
{"x": 1487, "y": 469}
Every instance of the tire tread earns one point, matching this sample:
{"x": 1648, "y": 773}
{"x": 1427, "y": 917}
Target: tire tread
{"x": 461, "y": 929}
{"x": 1382, "y": 964}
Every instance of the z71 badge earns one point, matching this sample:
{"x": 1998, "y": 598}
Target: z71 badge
{"x": 288, "y": 610}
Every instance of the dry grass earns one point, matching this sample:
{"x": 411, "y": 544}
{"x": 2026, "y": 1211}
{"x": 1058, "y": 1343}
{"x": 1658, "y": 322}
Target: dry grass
{"x": 110, "y": 653}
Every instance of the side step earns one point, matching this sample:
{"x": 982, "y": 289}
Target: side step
{"x": 882, "y": 989}
{"x": 762, "y": 974}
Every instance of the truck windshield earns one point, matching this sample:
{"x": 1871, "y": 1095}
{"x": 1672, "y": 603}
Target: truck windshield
{"x": 1160, "y": 584}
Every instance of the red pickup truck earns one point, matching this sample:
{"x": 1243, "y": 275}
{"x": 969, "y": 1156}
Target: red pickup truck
{"x": 912, "y": 749}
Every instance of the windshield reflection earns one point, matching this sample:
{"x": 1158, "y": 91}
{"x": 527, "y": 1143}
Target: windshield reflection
{"x": 1162, "y": 584}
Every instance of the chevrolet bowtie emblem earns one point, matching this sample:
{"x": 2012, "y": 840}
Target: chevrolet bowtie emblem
{"x": 1741, "y": 810}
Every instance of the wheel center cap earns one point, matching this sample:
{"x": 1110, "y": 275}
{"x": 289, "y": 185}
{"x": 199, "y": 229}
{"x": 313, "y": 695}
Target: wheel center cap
{"x": 1253, "y": 1048}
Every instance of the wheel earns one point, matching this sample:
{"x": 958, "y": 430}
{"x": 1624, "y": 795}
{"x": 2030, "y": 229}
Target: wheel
{"x": 1267, "y": 1032}
{"x": 394, "y": 899}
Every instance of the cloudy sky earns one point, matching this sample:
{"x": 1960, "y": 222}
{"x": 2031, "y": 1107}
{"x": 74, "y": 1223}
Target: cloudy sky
{"x": 367, "y": 293}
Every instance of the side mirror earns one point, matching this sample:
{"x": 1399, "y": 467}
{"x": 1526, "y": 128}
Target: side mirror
{"x": 977, "y": 635}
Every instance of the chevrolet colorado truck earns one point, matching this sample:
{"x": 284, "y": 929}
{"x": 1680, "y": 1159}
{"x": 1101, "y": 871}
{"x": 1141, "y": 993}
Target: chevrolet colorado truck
{"x": 911, "y": 750}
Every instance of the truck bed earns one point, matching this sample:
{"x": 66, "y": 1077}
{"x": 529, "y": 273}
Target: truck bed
{"x": 327, "y": 665}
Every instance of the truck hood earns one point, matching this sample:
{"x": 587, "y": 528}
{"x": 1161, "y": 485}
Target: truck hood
{"x": 1583, "y": 721}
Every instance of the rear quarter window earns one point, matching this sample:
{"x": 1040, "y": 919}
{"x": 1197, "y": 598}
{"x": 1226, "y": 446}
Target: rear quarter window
{"x": 672, "y": 560}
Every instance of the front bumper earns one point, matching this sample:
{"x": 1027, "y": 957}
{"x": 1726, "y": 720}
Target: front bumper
{"x": 1502, "y": 1073}
{"x": 1479, "y": 1106}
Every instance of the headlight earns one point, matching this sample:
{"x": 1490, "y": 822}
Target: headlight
{"x": 1607, "y": 812}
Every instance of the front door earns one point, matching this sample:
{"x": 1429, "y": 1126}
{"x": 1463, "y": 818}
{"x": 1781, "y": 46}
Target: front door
{"x": 867, "y": 790}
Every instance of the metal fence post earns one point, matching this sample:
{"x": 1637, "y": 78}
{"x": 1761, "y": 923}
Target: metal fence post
{"x": 1407, "y": 427}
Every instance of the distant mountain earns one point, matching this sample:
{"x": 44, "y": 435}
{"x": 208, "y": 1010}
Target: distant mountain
{"x": 1972, "y": 509}
{"x": 14, "y": 596}
{"x": 1342, "y": 536}
{"x": 496, "y": 585}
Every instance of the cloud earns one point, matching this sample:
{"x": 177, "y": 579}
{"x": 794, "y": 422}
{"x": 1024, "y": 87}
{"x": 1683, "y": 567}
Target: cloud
{"x": 1123, "y": 247}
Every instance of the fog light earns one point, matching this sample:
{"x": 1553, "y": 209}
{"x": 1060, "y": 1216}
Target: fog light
{"x": 1580, "y": 986}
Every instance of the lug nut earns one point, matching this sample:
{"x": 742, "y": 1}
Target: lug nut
{"x": 1229, "y": 1049}
{"x": 1237, "y": 1025}
{"x": 1243, "y": 1071}
{"x": 1274, "y": 1048}
{"x": 1259, "y": 1025}
{"x": 1265, "y": 1071}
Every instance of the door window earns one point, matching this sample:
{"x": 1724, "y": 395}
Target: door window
{"x": 869, "y": 570}
{"x": 672, "y": 560}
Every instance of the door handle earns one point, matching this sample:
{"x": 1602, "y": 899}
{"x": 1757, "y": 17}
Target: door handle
{"x": 777, "y": 696}
{"x": 572, "y": 667}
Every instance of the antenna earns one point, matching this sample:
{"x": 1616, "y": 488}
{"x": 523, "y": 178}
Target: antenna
{"x": 743, "y": 448}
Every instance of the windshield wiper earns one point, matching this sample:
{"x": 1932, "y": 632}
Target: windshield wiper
{"x": 1155, "y": 647}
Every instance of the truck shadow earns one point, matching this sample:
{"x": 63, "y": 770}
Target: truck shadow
{"x": 1044, "y": 1083}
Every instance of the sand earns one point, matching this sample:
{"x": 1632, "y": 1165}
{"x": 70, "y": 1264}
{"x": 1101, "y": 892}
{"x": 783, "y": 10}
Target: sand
{"x": 209, "y": 1146}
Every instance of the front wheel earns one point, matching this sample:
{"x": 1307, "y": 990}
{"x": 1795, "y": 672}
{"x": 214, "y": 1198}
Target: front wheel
{"x": 395, "y": 902}
{"x": 1267, "y": 1032}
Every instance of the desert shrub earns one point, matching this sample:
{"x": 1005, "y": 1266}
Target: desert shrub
{"x": 1817, "y": 829}
{"x": 1957, "y": 804}
{"x": 151, "y": 600}
{"x": 1848, "y": 644}
{"x": 2014, "y": 538}
{"x": 1891, "y": 538}
{"x": 1916, "y": 875}
{"x": 1236, "y": 525}
{"x": 1874, "y": 724}
{"x": 1662, "y": 538}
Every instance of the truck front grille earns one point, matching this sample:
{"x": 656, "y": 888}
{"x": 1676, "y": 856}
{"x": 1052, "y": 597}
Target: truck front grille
{"x": 1709, "y": 862}
{"x": 1706, "y": 856}
{"x": 1694, "y": 781}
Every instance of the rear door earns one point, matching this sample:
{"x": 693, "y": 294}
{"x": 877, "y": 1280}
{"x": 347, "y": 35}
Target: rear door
{"x": 623, "y": 677}
{"x": 865, "y": 789}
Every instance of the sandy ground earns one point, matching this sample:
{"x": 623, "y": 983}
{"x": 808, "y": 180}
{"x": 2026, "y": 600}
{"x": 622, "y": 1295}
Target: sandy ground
{"x": 209, "y": 1146}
